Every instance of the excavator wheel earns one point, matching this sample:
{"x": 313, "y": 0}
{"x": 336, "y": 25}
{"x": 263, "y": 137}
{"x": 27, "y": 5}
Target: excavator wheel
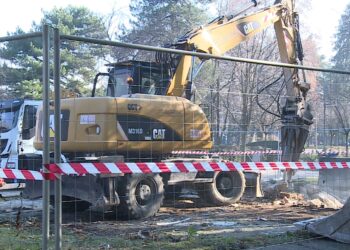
{"x": 141, "y": 196}
{"x": 226, "y": 188}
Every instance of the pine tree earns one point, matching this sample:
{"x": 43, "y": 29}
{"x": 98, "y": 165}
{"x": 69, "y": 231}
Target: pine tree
{"x": 341, "y": 58}
{"x": 22, "y": 60}
{"x": 160, "y": 23}
{"x": 340, "y": 83}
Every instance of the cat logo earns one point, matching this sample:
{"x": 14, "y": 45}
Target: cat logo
{"x": 159, "y": 134}
{"x": 134, "y": 107}
{"x": 247, "y": 27}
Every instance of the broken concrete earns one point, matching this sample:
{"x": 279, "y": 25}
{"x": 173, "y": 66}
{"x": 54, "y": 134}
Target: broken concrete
{"x": 325, "y": 200}
{"x": 336, "y": 226}
{"x": 273, "y": 191}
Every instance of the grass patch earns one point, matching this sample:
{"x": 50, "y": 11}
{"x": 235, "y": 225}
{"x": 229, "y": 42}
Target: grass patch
{"x": 29, "y": 237}
{"x": 12, "y": 238}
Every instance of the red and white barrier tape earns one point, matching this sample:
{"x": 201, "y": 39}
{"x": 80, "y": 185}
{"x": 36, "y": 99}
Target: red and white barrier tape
{"x": 163, "y": 167}
{"x": 21, "y": 174}
{"x": 257, "y": 152}
{"x": 186, "y": 167}
{"x": 188, "y": 152}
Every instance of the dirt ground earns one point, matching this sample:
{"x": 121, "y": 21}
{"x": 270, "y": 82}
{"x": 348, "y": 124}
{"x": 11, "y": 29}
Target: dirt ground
{"x": 179, "y": 224}
{"x": 259, "y": 214}
{"x": 187, "y": 224}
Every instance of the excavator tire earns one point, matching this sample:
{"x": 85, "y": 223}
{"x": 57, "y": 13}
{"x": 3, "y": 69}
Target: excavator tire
{"x": 141, "y": 196}
{"x": 226, "y": 188}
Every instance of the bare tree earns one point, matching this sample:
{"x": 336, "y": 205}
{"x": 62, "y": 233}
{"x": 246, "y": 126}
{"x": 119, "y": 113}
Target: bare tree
{"x": 342, "y": 114}
{"x": 235, "y": 90}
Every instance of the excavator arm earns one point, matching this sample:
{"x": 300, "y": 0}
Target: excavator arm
{"x": 221, "y": 35}
{"x": 296, "y": 113}
{"x": 225, "y": 33}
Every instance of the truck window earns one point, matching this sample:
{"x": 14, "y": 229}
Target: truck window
{"x": 29, "y": 122}
{"x": 8, "y": 120}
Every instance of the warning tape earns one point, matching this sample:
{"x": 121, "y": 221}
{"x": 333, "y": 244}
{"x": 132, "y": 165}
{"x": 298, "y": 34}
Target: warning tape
{"x": 185, "y": 167}
{"x": 260, "y": 152}
{"x": 257, "y": 152}
{"x": 162, "y": 167}
{"x": 21, "y": 174}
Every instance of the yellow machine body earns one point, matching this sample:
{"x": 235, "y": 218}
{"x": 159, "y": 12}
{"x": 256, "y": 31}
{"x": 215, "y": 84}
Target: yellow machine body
{"x": 138, "y": 123}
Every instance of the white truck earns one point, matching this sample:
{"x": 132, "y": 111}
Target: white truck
{"x": 17, "y": 130}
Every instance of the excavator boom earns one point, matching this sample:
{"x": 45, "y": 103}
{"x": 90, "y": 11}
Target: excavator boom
{"x": 225, "y": 33}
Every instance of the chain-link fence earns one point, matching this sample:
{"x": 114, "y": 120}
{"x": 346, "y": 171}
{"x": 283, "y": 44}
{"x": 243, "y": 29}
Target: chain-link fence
{"x": 141, "y": 166}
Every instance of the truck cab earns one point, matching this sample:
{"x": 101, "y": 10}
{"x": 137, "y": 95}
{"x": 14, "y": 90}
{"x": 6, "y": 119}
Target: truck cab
{"x": 17, "y": 130}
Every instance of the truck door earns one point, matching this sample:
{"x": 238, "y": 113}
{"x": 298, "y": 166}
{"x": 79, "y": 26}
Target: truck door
{"x": 28, "y": 129}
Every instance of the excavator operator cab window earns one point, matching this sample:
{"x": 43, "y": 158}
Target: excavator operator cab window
{"x": 118, "y": 82}
{"x": 148, "y": 86}
{"x": 153, "y": 81}
{"x": 137, "y": 78}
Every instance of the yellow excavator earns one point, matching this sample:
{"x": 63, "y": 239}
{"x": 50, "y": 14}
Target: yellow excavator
{"x": 147, "y": 113}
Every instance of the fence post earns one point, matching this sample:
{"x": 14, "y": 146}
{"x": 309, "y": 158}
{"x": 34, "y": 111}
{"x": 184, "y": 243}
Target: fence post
{"x": 57, "y": 103}
{"x": 46, "y": 139}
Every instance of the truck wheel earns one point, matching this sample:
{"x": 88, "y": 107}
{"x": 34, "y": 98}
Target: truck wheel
{"x": 226, "y": 188}
{"x": 140, "y": 196}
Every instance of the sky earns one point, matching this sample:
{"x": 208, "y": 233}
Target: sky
{"x": 322, "y": 19}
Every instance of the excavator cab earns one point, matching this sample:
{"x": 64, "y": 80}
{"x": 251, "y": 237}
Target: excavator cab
{"x": 135, "y": 77}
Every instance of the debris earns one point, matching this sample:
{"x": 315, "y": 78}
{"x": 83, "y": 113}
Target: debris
{"x": 174, "y": 238}
{"x": 292, "y": 196}
{"x": 275, "y": 202}
{"x": 302, "y": 225}
{"x": 223, "y": 223}
{"x": 144, "y": 234}
{"x": 285, "y": 194}
{"x": 234, "y": 205}
{"x": 104, "y": 246}
{"x": 261, "y": 219}
{"x": 21, "y": 203}
{"x": 335, "y": 226}
{"x": 273, "y": 191}
{"x": 315, "y": 203}
{"x": 325, "y": 200}
{"x": 285, "y": 201}
{"x": 168, "y": 223}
